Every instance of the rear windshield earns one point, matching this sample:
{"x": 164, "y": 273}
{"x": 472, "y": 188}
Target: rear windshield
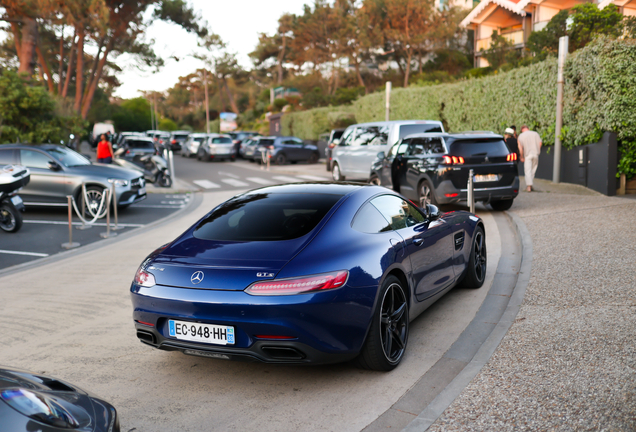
{"x": 266, "y": 142}
{"x": 406, "y": 130}
{"x": 476, "y": 148}
{"x": 136, "y": 144}
{"x": 266, "y": 217}
{"x": 337, "y": 134}
{"x": 180, "y": 136}
{"x": 222, "y": 140}
{"x": 199, "y": 139}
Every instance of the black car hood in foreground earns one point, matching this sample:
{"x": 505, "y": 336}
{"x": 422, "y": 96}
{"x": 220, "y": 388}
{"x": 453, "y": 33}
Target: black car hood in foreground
{"x": 34, "y": 402}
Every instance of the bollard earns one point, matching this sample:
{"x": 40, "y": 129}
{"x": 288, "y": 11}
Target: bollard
{"x": 171, "y": 155}
{"x": 471, "y": 192}
{"x": 269, "y": 157}
{"x": 70, "y": 244}
{"x": 84, "y": 226}
{"x": 113, "y": 194}
{"x": 108, "y": 234}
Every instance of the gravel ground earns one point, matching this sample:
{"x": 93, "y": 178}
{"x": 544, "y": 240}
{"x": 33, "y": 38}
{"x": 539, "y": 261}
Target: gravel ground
{"x": 569, "y": 360}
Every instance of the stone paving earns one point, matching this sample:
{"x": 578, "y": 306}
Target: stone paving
{"x": 569, "y": 360}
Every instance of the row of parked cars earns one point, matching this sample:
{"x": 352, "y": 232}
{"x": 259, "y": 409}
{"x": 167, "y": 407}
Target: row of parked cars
{"x": 424, "y": 163}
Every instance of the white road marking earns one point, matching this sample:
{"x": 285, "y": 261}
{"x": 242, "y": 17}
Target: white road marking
{"x": 173, "y": 202}
{"x": 45, "y": 222}
{"x": 286, "y": 179}
{"x": 227, "y": 174}
{"x": 10, "y": 252}
{"x": 234, "y": 182}
{"x": 206, "y": 184}
{"x": 310, "y": 177}
{"x": 259, "y": 180}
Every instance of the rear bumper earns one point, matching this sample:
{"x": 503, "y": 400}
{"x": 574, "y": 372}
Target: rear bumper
{"x": 327, "y": 327}
{"x": 447, "y": 193}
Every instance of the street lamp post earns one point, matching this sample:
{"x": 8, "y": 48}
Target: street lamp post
{"x": 563, "y": 52}
{"x": 207, "y": 105}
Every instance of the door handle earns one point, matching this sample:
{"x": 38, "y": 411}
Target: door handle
{"x": 418, "y": 241}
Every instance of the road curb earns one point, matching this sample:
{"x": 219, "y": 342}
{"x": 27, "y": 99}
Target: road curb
{"x": 193, "y": 204}
{"x": 446, "y": 397}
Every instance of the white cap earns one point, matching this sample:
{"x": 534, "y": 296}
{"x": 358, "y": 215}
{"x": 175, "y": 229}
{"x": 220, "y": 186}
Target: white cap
{"x": 509, "y": 131}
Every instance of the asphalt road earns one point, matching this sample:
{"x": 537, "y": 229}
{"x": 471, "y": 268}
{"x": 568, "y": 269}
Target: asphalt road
{"x": 241, "y": 175}
{"x": 46, "y": 228}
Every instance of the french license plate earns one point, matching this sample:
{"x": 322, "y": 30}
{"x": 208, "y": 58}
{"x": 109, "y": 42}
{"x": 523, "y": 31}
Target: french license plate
{"x": 486, "y": 178}
{"x": 141, "y": 191}
{"x": 16, "y": 200}
{"x": 197, "y": 332}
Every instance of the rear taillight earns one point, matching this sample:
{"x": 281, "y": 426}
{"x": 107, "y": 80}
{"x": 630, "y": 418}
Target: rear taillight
{"x": 321, "y": 282}
{"x": 332, "y": 145}
{"x": 174, "y": 141}
{"x": 144, "y": 278}
{"x": 511, "y": 157}
{"x": 453, "y": 160}
{"x": 127, "y": 151}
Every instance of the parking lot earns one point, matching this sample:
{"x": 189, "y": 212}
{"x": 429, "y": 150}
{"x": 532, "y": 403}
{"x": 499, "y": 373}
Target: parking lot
{"x": 45, "y": 229}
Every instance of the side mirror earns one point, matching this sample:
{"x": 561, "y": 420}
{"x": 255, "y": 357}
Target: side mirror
{"x": 381, "y": 155}
{"x": 336, "y": 141}
{"x": 432, "y": 212}
{"x": 54, "y": 166}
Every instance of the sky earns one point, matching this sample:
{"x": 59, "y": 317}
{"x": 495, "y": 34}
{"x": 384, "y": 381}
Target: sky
{"x": 238, "y": 22}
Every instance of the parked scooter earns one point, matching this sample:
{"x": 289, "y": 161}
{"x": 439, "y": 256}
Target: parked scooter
{"x": 12, "y": 179}
{"x": 153, "y": 167}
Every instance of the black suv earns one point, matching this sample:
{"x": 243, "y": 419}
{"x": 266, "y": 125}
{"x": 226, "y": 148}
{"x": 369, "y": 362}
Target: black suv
{"x": 434, "y": 167}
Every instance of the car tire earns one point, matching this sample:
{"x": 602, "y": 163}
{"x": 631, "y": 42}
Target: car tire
{"x": 388, "y": 336}
{"x": 502, "y": 205}
{"x": 336, "y": 175}
{"x": 426, "y": 194}
{"x": 200, "y": 155}
{"x": 312, "y": 159}
{"x": 475, "y": 274}
{"x": 280, "y": 159}
{"x": 374, "y": 180}
{"x": 164, "y": 180}
{"x": 10, "y": 218}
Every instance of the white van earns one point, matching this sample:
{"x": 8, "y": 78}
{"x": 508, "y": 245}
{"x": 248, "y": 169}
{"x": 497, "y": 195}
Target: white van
{"x": 102, "y": 128}
{"x": 360, "y": 144}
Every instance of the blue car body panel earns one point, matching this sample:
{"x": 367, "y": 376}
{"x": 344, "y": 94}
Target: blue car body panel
{"x": 320, "y": 327}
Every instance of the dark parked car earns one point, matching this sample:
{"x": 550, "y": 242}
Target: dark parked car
{"x": 283, "y": 149}
{"x": 434, "y": 168}
{"x": 35, "y": 402}
{"x": 57, "y": 171}
{"x": 332, "y": 141}
{"x": 137, "y": 146}
{"x": 305, "y": 273}
{"x": 238, "y": 137}
{"x": 177, "y": 139}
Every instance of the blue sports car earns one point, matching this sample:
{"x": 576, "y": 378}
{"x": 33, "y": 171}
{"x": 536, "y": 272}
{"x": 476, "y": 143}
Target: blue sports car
{"x": 306, "y": 273}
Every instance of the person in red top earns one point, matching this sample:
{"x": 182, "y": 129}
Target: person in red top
{"x": 104, "y": 151}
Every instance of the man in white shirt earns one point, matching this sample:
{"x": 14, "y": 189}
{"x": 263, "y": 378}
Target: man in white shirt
{"x": 529, "y": 150}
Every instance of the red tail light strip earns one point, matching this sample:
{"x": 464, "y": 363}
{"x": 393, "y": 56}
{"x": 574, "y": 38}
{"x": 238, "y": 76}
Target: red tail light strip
{"x": 303, "y": 285}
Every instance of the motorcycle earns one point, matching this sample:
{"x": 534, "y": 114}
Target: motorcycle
{"x": 153, "y": 167}
{"x": 12, "y": 179}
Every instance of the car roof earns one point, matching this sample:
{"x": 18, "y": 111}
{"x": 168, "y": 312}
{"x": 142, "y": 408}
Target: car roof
{"x": 456, "y": 136}
{"x": 397, "y": 122}
{"x": 40, "y": 146}
{"x": 341, "y": 188}
{"x": 139, "y": 138}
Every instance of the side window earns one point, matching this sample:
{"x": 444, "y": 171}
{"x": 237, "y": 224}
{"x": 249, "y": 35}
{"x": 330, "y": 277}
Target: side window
{"x": 347, "y": 137}
{"x": 435, "y": 146}
{"x": 398, "y": 212}
{"x": 366, "y": 135}
{"x": 6, "y": 157}
{"x": 34, "y": 159}
{"x": 399, "y": 148}
{"x": 418, "y": 147}
{"x": 369, "y": 220}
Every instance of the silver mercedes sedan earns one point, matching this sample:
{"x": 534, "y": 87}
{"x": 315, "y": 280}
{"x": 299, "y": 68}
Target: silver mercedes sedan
{"x": 57, "y": 171}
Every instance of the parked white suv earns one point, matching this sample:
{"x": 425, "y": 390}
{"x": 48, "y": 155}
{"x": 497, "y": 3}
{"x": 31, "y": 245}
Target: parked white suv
{"x": 360, "y": 144}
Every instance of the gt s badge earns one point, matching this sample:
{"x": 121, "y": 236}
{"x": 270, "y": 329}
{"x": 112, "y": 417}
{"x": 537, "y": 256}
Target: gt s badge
{"x": 265, "y": 275}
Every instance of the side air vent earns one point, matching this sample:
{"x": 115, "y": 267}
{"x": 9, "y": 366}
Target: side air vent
{"x": 459, "y": 240}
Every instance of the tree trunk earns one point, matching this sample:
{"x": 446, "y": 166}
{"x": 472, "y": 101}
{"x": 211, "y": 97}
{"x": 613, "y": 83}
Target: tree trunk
{"x": 281, "y": 57}
{"x": 15, "y": 28}
{"x": 96, "y": 61}
{"x": 28, "y": 43}
{"x": 233, "y": 105}
{"x": 47, "y": 71}
{"x": 69, "y": 69}
{"x": 97, "y": 75}
{"x": 60, "y": 69}
{"x": 79, "y": 72}
{"x": 221, "y": 97}
{"x": 360, "y": 79}
{"x": 409, "y": 57}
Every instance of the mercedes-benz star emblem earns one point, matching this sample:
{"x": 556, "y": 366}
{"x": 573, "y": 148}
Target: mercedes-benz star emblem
{"x": 197, "y": 277}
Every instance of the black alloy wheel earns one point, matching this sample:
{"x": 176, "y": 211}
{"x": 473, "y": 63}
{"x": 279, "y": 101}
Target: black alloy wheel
{"x": 336, "y": 175}
{"x": 477, "y": 263}
{"x": 280, "y": 159}
{"x": 388, "y": 336}
{"x": 427, "y": 196}
{"x": 374, "y": 180}
{"x": 10, "y": 218}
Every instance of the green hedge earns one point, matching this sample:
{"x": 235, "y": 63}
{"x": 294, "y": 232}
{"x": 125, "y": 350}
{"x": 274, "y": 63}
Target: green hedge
{"x": 311, "y": 123}
{"x": 600, "y": 95}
